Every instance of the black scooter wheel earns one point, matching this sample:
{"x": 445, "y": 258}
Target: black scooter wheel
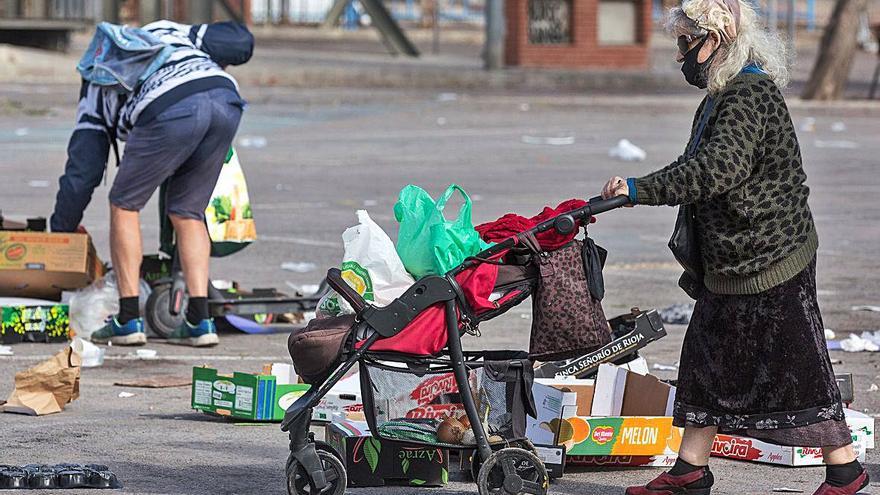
{"x": 157, "y": 312}
{"x": 513, "y": 471}
{"x": 299, "y": 483}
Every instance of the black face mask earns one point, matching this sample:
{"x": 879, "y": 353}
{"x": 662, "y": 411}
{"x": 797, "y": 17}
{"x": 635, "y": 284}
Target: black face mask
{"x": 695, "y": 73}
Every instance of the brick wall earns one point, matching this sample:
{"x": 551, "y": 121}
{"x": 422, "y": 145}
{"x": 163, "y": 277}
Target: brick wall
{"x": 584, "y": 50}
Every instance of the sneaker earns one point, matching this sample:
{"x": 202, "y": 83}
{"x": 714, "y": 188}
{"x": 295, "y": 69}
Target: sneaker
{"x": 667, "y": 484}
{"x": 132, "y": 333}
{"x": 850, "y": 489}
{"x": 203, "y": 335}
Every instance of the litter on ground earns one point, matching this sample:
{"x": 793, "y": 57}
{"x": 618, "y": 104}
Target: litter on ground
{"x": 627, "y": 151}
{"x": 548, "y": 140}
{"x": 875, "y": 309}
{"x": 298, "y": 266}
{"x": 677, "y": 314}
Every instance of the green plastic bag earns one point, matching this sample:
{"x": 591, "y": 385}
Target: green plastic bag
{"x": 427, "y": 243}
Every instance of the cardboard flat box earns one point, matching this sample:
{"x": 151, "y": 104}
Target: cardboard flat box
{"x": 861, "y": 423}
{"x": 259, "y": 397}
{"x": 554, "y": 459}
{"x": 622, "y": 460}
{"x": 43, "y": 264}
{"x": 34, "y": 323}
{"x": 753, "y": 450}
{"x": 242, "y": 395}
{"x": 374, "y": 462}
{"x": 623, "y": 436}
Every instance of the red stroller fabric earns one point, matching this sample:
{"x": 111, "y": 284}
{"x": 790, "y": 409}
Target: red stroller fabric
{"x": 426, "y": 334}
{"x": 512, "y": 224}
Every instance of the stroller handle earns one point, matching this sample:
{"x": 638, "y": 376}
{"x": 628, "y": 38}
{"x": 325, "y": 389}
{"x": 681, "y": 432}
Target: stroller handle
{"x": 564, "y": 224}
{"x": 337, "y": 283}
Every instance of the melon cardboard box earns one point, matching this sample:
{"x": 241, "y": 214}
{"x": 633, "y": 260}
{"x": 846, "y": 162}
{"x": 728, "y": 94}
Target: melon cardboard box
{"x": 370, "y": 461}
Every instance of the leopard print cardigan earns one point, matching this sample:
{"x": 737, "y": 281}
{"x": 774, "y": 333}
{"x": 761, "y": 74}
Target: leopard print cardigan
{"x": 746, "y": 181}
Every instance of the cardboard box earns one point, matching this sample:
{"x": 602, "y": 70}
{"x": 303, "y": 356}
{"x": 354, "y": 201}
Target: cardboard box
{"x": 554, "y": 459}
{"x": 632, "y": 336}
{"x": 583, "y": 389}
{"x": 750, "y": 449}
{"x": 26, "y": 323}
{"x": 862, "y": 424}
{"x": 260, "y": 397}
{"x": 623, "y": 436}
{"x": 43, "y": 264}
{"x": 242, "y": 395}
{"x": 343, "y": 401}
{"x": 374, "y": 462}
{"x": 622, "y": 460}
{"x": 619, "y": 392}
{"x": 552, "y": 405}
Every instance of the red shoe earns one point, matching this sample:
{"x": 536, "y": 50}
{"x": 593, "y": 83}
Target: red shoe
{"x": 850, "y": 489}
{"x": 667, "y": 484}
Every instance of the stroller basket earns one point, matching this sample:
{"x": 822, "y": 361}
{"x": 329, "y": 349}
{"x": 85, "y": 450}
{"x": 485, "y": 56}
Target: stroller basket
{"x": 408, "y": 401}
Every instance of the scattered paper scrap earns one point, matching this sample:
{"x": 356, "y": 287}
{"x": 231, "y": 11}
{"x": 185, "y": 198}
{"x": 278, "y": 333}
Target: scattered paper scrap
{"x": 298, "y": 266}
{"x": 838, "y": 127}
{"x": 665, "y": 367}
{"x": 829, "y": 334}
{"x": 252, "y": 142}
{"x": 6, "y": 350}
{"x": 46, "y": 387}
{"x": 846, "y": 145}
{"x": 39, "y": 184}
{"x": 677, "y": 314}
{"x": 125, "y": 395}
{"x": 548, "y": 140}
{"x": 808, "y": 125}
{"x": 146, "y": 353}
{"x": 875, "y": 309}
{"x": 447, "y": 97}
{"x": 873, "y": 388}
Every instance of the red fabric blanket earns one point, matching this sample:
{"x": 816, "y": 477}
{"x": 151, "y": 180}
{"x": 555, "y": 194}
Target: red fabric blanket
{"x": 512, "y": 224}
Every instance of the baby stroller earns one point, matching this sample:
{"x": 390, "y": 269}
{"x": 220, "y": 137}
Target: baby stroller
{"x": 413, "y": 369}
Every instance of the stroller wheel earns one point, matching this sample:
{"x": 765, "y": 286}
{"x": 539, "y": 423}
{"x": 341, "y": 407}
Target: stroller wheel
{"x": 512, "y": 471}
{"x": 299, "y": 483}
{"x": 158, "y": 313}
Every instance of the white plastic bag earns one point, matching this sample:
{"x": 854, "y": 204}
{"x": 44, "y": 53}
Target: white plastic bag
{"x": 371, "y": 266}
{"x": 91, "y": 307}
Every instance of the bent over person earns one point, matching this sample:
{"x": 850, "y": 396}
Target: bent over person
{"x": 754, "y": 359}
{"x": 178, "y": 125}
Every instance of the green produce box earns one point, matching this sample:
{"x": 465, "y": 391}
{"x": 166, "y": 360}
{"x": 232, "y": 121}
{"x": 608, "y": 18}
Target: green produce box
{"x": 46, "y": 323}
{"x": 242, "y": 395}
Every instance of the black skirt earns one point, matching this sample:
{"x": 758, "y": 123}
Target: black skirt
{"x": 758, "y": 365}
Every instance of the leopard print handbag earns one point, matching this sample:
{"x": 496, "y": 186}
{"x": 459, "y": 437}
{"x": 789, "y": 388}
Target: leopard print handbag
{"x": 567, "y": 320}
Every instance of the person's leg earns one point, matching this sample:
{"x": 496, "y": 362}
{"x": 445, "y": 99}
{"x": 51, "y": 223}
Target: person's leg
{"x": 194, "y": 249}
{"x": 153, "y": 152}
{"x": 696, "y": 445}
{"x": 843, "y": 471}
{"x": 690, "y": 475}
{"x": 189, "y": 192}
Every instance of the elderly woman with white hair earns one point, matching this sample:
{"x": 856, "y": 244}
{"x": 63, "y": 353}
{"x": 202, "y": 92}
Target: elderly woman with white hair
{"x": 754, "y": 359}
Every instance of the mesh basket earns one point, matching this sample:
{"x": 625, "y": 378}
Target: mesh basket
{"x": 408, "y": 405}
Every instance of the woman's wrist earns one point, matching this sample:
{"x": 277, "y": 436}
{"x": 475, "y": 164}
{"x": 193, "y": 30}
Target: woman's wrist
{"x": 631, "y": 190}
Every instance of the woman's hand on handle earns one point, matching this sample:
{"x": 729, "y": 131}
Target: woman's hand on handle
{"x": 616, "y": 186}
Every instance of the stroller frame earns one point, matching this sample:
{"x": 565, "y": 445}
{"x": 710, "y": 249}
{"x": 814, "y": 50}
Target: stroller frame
{"x": 315, "y": 460}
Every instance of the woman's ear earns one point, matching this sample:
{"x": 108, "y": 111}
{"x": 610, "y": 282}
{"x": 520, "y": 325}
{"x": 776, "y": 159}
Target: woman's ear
{"x": 713, "y": 41}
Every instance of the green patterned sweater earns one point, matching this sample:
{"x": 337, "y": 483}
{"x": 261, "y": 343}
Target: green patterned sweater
{"x": 746, "y": 181}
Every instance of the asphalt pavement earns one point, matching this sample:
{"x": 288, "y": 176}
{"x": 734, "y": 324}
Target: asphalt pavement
{"x": 313, "y": 157}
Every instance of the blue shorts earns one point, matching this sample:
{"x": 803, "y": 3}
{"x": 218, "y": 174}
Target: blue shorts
{"x": 186, "y": 143}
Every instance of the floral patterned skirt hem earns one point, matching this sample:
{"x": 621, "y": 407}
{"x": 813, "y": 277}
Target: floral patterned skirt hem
{"x": 813, "y": 427}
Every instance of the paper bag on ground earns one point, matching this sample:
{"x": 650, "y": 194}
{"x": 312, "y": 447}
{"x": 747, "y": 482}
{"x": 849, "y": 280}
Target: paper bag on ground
{"x": 47, "y": 387}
